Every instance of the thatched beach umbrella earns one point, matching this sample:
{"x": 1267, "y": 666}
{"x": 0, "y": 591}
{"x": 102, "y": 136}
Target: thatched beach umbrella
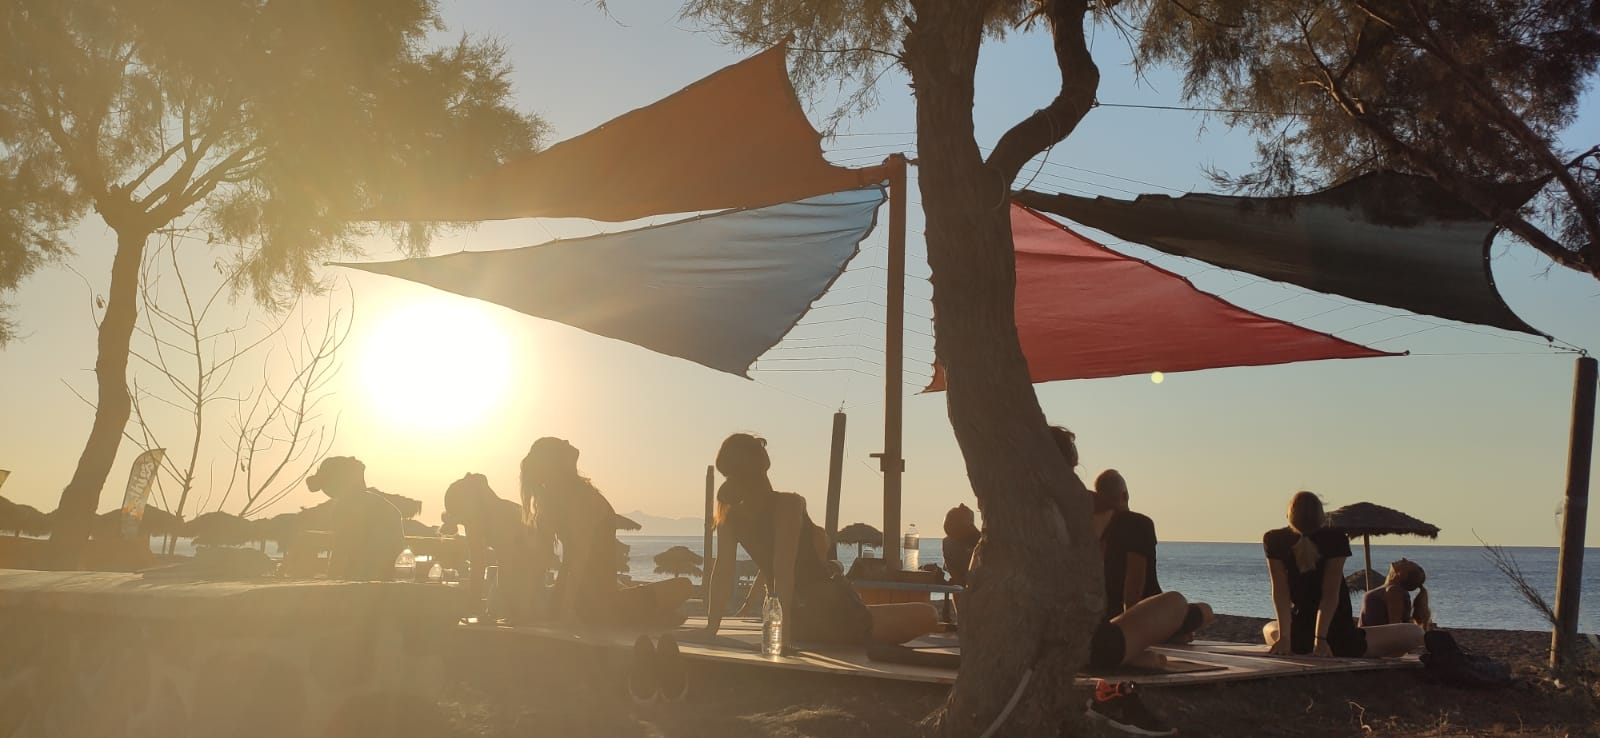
{"x": 1366, "y": 519}
{"x": 859, "y": 534}
{"x": 626, "y": 523}
{"x": 679, "y": 561}
{"x": 22, "y": 519}
{"x": 219, "y": 529}
{"x": 154, "y": 522}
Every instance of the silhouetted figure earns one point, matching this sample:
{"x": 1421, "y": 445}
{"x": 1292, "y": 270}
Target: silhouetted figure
{"x": 819, "y": 605}
{"x": 1309, "y": 595}
{"x": 961, "y": 536}
{"x": 1127, "y": 543}
{"x": 562, "y": 504}
{"x": 1126, "y": 634}
{"x": 1393, "y": 603}
{"x": 496, "y": 533}
{"x": 367, "y": 533}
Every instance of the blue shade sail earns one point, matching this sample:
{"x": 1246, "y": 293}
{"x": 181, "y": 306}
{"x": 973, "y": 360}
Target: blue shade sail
{"x": 718, "y": 290}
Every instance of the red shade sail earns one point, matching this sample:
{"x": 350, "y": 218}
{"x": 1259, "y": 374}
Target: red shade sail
{"x": 1085, "y": 311}
{"x": 736, "y": 139}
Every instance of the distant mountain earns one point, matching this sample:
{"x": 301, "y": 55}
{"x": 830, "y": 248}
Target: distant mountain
{"x": 658, "y": 526}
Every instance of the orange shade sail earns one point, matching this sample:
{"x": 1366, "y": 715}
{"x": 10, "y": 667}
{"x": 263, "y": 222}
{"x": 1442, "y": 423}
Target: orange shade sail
{"x": 736, "y": 139}
{"x": 1085, "y": 311}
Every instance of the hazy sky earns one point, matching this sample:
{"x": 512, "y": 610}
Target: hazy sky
{"x": 1470, "y": 433}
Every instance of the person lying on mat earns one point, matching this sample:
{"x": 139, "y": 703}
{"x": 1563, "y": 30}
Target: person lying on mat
{"x": 819, "y": 605}
{"x": 1126, "y": 633}
{"x": 496, "y": 532}
{"x": 1310, "y": 597}
{"x": 561, "y": 504}
{"x": 1393, "y": 603}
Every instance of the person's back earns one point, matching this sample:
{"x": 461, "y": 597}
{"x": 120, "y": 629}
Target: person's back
{"x": 367, "y": 537}
{"x": 367, "y": 532}
{"x": 1129, "y": 538}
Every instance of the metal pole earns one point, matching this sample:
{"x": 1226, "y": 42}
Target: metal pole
{"x": 1575, "y": 514}
{"x": 835, "y": 476}
{"x": 711, "y": 511}
{"x": 890, "y": 460}
{"x": 1366, "y": 574}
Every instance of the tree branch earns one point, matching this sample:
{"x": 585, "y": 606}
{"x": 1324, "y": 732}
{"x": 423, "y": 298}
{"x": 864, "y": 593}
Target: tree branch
{"x": 1080, "y": 78}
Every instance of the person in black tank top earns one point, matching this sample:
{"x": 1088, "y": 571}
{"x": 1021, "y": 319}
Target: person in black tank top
{"x": 1310, "y": 598}
{"x": 819, "y": 604}
{"x": 564, "y": 506}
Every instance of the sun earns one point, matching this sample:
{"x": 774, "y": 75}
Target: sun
{"x": 437, "y": 365}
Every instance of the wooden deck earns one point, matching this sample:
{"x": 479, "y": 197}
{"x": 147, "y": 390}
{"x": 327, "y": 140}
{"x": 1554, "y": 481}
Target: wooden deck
{"x": 739, "y": 643}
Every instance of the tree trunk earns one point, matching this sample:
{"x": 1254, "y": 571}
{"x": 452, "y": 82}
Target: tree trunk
{"x": 81, "y": 497}
{"x": 1035, "y": 590}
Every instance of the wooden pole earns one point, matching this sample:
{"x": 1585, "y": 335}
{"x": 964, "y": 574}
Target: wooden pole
{"x": 1575, "y": 513}
{"x": 835, "y": 477}
{"x": 1366, "y": 574}
{"x": 711, "y": 512}
{"x": 890, "y": 460}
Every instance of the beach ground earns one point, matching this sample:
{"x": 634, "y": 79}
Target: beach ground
{"x": 572, "y": 692}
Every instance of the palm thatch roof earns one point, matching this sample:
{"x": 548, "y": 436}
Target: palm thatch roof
{"x": 155, "y": 522}
{"x": 860, "y": 534}
{"x": 1368, "y": 519}
{"x": 680, "y": 561}
{"x": 626, "y": 523}
{"x": 22, "y": 519}
{"x": 219, "y": 529}
{"x": 280, "y": 528}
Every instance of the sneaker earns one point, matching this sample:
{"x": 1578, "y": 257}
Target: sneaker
{"x": 1116, "y": 704}
{"x": 644, "y": 681}
{"x": 670, "y": 670}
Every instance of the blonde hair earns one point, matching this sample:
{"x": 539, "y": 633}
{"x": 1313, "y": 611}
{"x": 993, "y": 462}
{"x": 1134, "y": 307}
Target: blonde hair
{"x": 1409, "y": 575}
{"x": 1305, "y": 518}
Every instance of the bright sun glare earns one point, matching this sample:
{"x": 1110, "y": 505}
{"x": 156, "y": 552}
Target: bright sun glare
{"x": 436, "y": 365}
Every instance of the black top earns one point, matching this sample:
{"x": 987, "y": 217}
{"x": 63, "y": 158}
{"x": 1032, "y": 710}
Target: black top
{"x": 1127, "y": 533}
{"x": 754, "y": 524}
{"x": 1305, "y": 588}
{"x": 562, "y": 512}
{"x": 958, "y": 558}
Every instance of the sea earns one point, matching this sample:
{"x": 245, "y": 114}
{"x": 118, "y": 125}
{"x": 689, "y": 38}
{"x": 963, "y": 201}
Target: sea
{"x": 1465, "y": 589}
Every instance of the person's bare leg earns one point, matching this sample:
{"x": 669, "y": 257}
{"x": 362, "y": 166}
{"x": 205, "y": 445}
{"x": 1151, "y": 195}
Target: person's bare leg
{"x": 1395, "y": 639}
{"x": 1151, "y": 621}
{"x": 902, "y": 622}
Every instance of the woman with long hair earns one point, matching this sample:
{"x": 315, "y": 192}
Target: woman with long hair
{"x": 1310, "y": 598}
{"x": 1394, "y": 603}
{"x": 819, "y": 605}
{"x": 561, "y": 504}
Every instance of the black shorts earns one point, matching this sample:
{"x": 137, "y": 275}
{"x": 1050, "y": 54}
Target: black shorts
{"x": 1107, "y": 646}
{"x": 830, "y": 612}
{"x": 1344, "y": 638}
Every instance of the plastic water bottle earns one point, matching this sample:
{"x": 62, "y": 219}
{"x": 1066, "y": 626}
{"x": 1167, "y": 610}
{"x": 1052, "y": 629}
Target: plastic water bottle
{"x": 911, "y": 549}
{"x": 405, "y": 566}
{"x": 772, "y": 627}
{"x": 491, "y": 593}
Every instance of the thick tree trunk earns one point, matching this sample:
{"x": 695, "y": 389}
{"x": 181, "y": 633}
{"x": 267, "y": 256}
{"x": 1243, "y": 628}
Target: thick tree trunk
{"x": 1034, "y": 591}
{"x": 81, "y": 497}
